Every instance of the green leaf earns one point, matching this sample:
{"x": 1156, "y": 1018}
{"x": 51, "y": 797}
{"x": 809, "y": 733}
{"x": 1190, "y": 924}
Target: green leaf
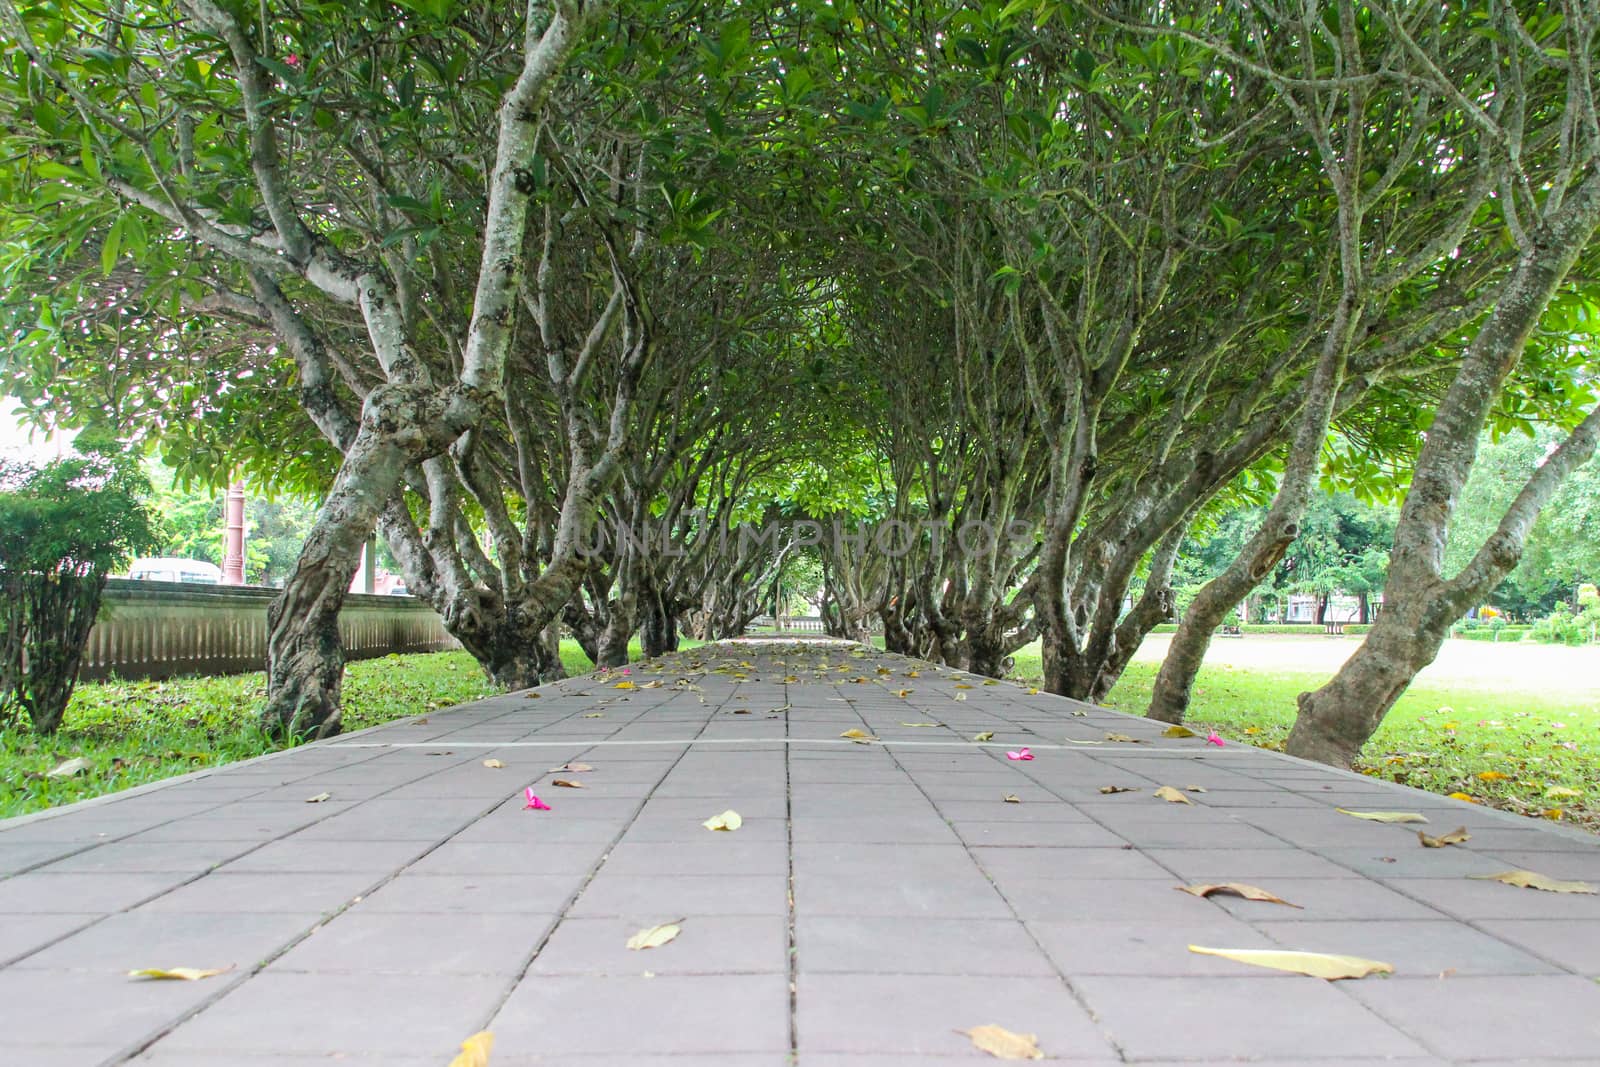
{"x": 112, "y": 248}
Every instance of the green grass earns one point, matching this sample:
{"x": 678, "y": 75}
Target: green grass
{"x": 137, "y": 732}
{"x": 1505, "y": 749}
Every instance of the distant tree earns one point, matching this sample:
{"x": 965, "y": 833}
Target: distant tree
{"x": 1563, "y": 547}
{"x": 64, "y": 528}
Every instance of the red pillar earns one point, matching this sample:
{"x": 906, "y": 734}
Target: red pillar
{"x": 233, "y": 537}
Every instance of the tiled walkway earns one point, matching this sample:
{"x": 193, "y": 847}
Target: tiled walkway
{"x": 879, "y": 897}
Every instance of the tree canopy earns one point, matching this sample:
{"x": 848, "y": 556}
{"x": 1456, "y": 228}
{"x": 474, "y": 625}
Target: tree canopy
{"x": 1039, "y": 286}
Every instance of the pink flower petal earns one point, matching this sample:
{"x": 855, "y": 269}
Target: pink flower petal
{"x": 1023, "y": 754}
{"x": 1213, "y": 739}
{"x": 534, "y": 803}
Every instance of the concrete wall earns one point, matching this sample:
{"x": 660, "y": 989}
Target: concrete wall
{"x": 165, "y": 629}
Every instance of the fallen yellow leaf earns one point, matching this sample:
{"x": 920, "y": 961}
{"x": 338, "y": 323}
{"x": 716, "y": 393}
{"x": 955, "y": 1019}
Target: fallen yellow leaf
{"x": 1003, "y": 1044}
{"x": 860, "y": 737}
{"x": 987, "y": 735}
{"x": 1033, "y": 691}
{"x": 475, "y": 1050}
{"x": 1562, "y": 791}
{"x": 1312, "y": 964}
{"x": 1383, "y": 816}
{"x": 962, "y": 685}
{"x": 961, "y": 696}
{"x": 1468, "y": 797}
{"x": 919, "y": 724}
{"x": 1172, "y": 796}
{"x": 319, "y": 798}
{"x": 728, "y": 820}
{"x": 1534, "y": 880}
{"x": 623, "y": 685}
{"x": 76, "y": 765}
{"x": 1492, "y": 776}
{"x": 183, "y": 974}
{"x": 1012, "y": 798}
{"x": 1236, "y": 889}
{"x": 594, "y": 715}
{"x": 654, "y": 936}
{"x": 493, "y": 764}
{"x": 1177, "y": 731}
{"x": 1554, "y": 814}
{"x": 575, "y": 768}
{"x": 902, "y": 693}
{"x": 1454, "y": 837}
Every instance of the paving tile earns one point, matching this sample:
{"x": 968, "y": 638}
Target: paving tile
{"x": 57, "y": 1056}
{"x": 454, "y": 857}
{"x": 1571, "y": 943}
{"x": 920, "y": 1014}
{"x": 649, "y": 898}
{"x": 247, "y": 892}
{"x": 1145, "y": 946}
{"x": 556, "y": 1015}
{"x": 1005, "y": 863}
{"x": 1319, "y": 898}
{"x": 728, "y": 944}
{"x": 336, "y": 1013}
{"x": 23, "y": 933}
{"x": 37, "y": 892}
{"x": 1056, "y": 834}
{"x": 366, "y": 942}
{"x": 1477, "y": 1018}
{"x": 188, "y": 857}
{"x": 47, "y": 1007}
{"x": 1245, "y": 1018}
{"x": 1478, "y": 899}
{"x": 296, "y": 856}
{"x": 545, "y": 893}
{"x": 900, "y": 945}
{"x": 1418, "y": 949}
{"x": 721, "y": 854}
{"x": 1058, "y": 899}
{"x": 1245, "y": 864}
{"x": 146, "y": 938}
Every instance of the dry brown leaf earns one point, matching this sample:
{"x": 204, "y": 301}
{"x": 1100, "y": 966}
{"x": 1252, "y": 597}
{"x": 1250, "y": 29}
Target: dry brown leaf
{"x": 860, "y": 737}
{"x": 1455, "y": 837}
{"x": 1109, "y": 789}
{"x": 1002, "y": 1044}
{"x": 1383, "y": 816}
{"x": 475, "y": 1050}
{"x": 594, "y": 715}
{"x": 962, "y": 685}
{"x": 1178, "y": 731}
{"x": 1195, "y": 788}
{"x": 566, "y": 783}
{"x": 1236, "y": 889}
{"x": 919, "y": 724}
{"x": 1012, "y": 798}
{"x": 902, "y": 693}
{"x": 1123, "y": 737}
{"x": 728, "y": 820}
{"x": 652, "y": 685}
{"x": 575, "y": 768}
{"x": 987, "y": 735}
{"x": 1312, "y": 964}
{"x": 654, "y": 936}
{"x": 493, "y": 764}
{"x": 1172, "y": 796}
{"x": 319, "y": 798}
{"x": 1535, "y": 880}
{"x": 182, "y": 974}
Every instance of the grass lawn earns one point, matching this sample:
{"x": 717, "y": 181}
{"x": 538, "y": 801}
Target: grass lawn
{"x": 137, "y": 732}
{"x": 1512, "y": 747}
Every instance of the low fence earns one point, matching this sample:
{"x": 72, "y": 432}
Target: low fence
{"x": 165, "y": 629}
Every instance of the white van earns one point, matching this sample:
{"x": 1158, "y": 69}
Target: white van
{"x": 173, "y": 569}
